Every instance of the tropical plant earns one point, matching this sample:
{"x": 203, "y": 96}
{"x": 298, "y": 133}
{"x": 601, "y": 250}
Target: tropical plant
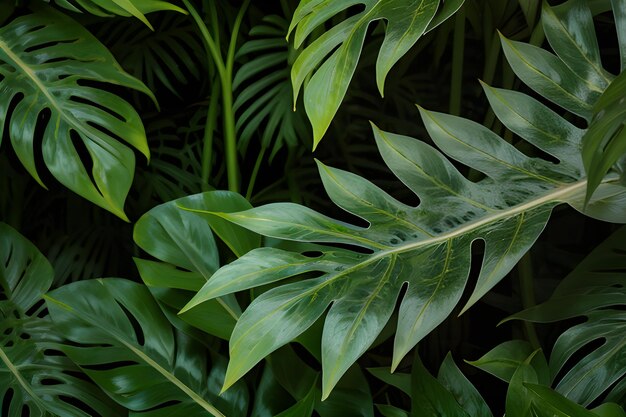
{"x": 352, "y": 298}
{"x": 421, "y": 247}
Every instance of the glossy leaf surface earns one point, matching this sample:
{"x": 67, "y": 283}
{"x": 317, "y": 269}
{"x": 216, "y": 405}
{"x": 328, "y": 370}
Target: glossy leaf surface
{"x": 47, "y": 61}
{"x": 183, "y": 240}
{"x": 117, "y": 334}
{"x": 34, "y": 381}
{"x": 331, "y": 59}
{"x": 420, "y": 247}
{"x": 595, "y": 289}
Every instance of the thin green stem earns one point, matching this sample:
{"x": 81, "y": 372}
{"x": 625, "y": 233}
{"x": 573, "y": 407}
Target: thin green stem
{"x": 458, "y": 50}
{"x": 225, "y": 71}
{"x": 230, "y": 133}
{"x": 527, "y": 292}
{"x": 210, "y": 44}
{"x": 255, "y": 173}
{"x": 209, "y": 131}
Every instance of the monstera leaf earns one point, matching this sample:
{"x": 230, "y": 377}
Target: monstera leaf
{"x": 596, "y": 289}
{"x": 117, "y": 334}
{"x": 183, "y": 243}
{"x": 34, "y": 380}
{"x": 135, "y": 8}
{"x": 47, "y": 63}
{"x": 406, "y": 21}
{"x": 425, "y": 249}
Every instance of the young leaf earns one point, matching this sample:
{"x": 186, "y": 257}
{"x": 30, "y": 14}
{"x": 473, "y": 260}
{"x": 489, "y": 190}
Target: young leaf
{"x": 45, "y": 60}
{"x": 407, "y": 21}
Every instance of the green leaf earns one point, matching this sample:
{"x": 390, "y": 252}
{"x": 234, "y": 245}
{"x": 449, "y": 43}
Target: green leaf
{"x": 518, "y": 403}
{"x": 596, "y": 285}
{"x": 304, "y": 407}
{"x": 330, "y": 75}
{"x": 604, "y": 142}
{"x": 571, "y": 34}
{"x": 549, "y": 76}
{"x": 117, "y": 334}
{"x": 391, "y": 411}
{"x": 429, "y": 397}
{"x": 45, "y": 60}
{"x": 239, "y": 240}
{"x": 504, "y": 360}
{"x": 33, "y": 380}
{"x": 396, "y": 379}
{"x": 548, "y": 403}
{"x": 183, "y": 240}
{"x": 609, "y": 410}
{"x": 619, "y": 13}
{"x": 422, "y": 252}
{"x": 451, "y": 377}
{"x": 136, "y": 8}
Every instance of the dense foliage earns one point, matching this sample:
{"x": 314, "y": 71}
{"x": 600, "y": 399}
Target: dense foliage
{"x": 215, "y": 208}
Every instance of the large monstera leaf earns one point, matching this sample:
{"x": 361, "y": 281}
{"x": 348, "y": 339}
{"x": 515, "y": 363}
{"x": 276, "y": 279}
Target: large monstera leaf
{"x": 117, "y": 334}
{"x": 425, "y": 249}
{"x": 332, "y": 58}
{"x": 34, "y": 380}
{"x": 47, "y": 64}
{"x": 596, "y": 289}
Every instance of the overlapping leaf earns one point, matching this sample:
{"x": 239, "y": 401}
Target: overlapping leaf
{"x": 34, "y": 380}
{"x": 136, "y": 8}
{"x": 595, "y": 289}
{"x": 169, "y": 55}
{"x": 332, "y": 57}
{"x": 117, "y": 334}
{"x": 183, "y": 243}
{"x": 47, "y": 64}
{"x": 427, "y": 248}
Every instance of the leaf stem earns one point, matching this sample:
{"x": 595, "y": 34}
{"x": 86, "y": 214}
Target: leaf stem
{"x": 458, "y": 50}
{"x": 209, "y": 130}
{"x": 255, "y": 172}
{"x": 527, "y": 292}
{"x": 225, "y": 71}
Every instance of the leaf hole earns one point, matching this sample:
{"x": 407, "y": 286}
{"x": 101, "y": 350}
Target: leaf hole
{"x": 33, "y": 310}
{"x": 579, "y": 355}
{"x": 6, "y": 401}
{"x": 87, "y": 102}
{"x": 109, "y": 365}
{"x": 43, "y": 120}
{"x": 312, "y": 254}
{"x": 84, "y": 155}
{"x": 50, "y": 382}
{"x": 136, "y": 326}
{"x": 80, "y": 405}
{"x": 53, "y": 352}
{"x": 25, "y": 410}
{"x": 44, "y": 45}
